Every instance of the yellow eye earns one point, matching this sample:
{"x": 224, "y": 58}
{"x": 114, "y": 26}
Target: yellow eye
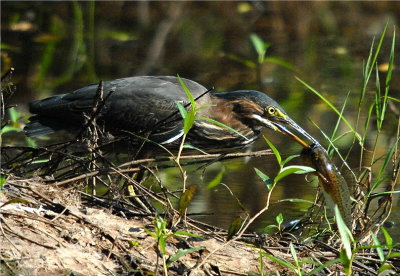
{"x": 271, "y": 110}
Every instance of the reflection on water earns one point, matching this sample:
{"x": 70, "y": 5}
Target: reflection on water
{"x": 325, "y": 42}
{"x": 253, "y": 195}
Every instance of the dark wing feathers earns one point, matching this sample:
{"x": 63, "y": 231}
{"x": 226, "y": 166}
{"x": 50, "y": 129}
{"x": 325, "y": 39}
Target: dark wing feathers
{"x": 137, "y": 104}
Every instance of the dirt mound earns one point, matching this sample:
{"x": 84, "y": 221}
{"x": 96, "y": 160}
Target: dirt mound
{"x": 50, "y": 231}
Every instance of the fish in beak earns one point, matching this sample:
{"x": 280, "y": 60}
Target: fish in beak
{"x": 281, "y": 127}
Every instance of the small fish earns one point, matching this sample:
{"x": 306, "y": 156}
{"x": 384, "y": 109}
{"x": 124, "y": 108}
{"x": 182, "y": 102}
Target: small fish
{"x": 334, "y": 186}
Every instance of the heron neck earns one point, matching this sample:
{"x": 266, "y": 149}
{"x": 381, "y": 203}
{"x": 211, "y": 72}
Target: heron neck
{"x": 224, "y": 112}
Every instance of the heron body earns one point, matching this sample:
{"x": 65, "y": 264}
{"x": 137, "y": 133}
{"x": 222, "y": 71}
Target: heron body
{"x": 147, "y": 106}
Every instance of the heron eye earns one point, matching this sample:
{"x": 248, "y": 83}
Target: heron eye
{"x": 271, "y": 110}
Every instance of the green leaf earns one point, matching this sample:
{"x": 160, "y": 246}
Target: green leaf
{"x": 394, "y": 255}
{"x": 379, "y": 249}
{"x": 8, "y": 47}
{"x": 162, "y": 245}
{"x": 393, "y": 99}
{"x": 118, "y": 35}
{"x": 279, "y": 218}
{"x": 260, "y": 46}
{"x": 345, "y": 234}
{"x": 189, "y": 121}
{"x": 6, "y": 129}
{"x": 378, "y": 102}
{"x": 190, "y": 116}
{"x": 388, "y": 79}
{"x": 246, "y": 62}
{"x": 31, "y": 143}
{"x": 294, "y": 254}
{"x": 149, "y": 232}
{"x": 188, "y": 234}
{"x": 295, "y": 169}
{"x": 386, "y": 269}
{"x": 188, "y": 93}
{"x": 14, "y": 115}
{"x": 3, "y": 180}
{"x": 186, "y": 198}
{"x": 13, "y": 201}
{"x": 367, "y": 121}
{"x": 289, "y": 159}
{"x": 337, "y": 123}
{"x": 268, "y": 228}
{"x": 275, "y": 151}
{"x": 133, "y": 243}
{"x": 281, "y": 62}
{"x": 235, "y": 226}
{"x": 385, "y": 193}
{"x": 40, "y": 161}
{"x": 381, "y": 174}
{"x": 280, "y": 261}
{"x": 388, "y": 238}
{"x": 182, "y": 252}
{"x": 188, "y": 146}
{"x": 265, "y": 178}
{"x": 296, "y": 200}
{"x": 346, "y": 261}
{"x": 322, "y": 266}
{"x": 369, "y": 66}
{"x": 182, "y": 109}
{"x": 217, "y": 179}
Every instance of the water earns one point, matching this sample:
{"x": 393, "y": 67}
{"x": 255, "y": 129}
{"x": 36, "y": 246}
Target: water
{"x": 325, "y": 43}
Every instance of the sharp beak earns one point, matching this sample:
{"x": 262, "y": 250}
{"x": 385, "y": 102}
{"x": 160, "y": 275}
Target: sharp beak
{"x": 281, "y": 126}
{"x": 289, "y": 122}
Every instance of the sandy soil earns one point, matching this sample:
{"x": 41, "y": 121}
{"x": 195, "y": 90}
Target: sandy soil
{"x": 56, "y": 234}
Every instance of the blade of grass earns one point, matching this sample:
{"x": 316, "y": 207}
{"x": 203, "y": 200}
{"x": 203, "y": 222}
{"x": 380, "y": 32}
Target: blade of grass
{"x": 388, "y": 238}
{"x": 388, "y": 80}
{"x": 295, "y": 258}
{"x": 265, "y": 178}
{"x": 323, "y": 266}
{"x": 182, "y": 109}
{"x": 292, "y": 170}
{"x": 378, "y": 248}
{"x": 381, "y": 174}
{"x": 182, "y": 252}
{"x": 188, "y": 121}
{"x": 296, "y": 200}
{"x": 281, "y": 62}
{"x": 333, "y": 146}
{"x": 289, "y": 159}
{"x": 393, "y": 99}
{"x": 260, "y": 46}
{"x": 345, "y": 234}
{"x": 274, "y": 150}
{"x": 356, "y": 134}
{"x": 378, "y": 100}
{"x": 187, "y": 91}
{"x": 338, "y": 121}
{"x": 366, "y": 125}
{"x": 217, "y": 179}
{"x": 280, "y": 261}
{"x": 246, "y": 62}
{"x": 367, "y": 71}
{"x": 369, "y": 67}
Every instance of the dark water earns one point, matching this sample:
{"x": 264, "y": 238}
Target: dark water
{"x": 59, "y": 46}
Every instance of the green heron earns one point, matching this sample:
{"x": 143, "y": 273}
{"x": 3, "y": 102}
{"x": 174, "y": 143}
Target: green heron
{"x": 148, "y": 105}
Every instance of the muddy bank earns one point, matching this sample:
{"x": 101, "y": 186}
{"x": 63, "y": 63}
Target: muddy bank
{"x": 60, "y": 231}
